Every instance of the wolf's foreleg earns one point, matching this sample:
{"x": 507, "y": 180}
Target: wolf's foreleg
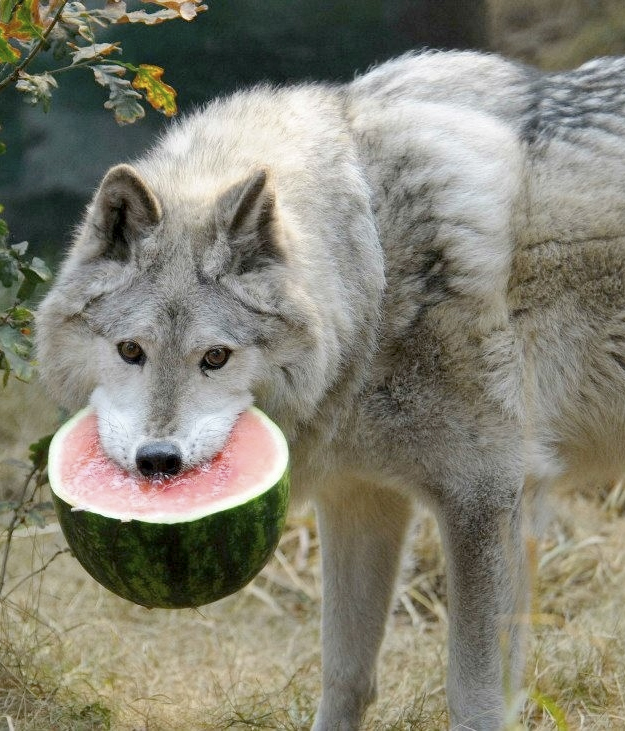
{"x": 488, "y": 599}
{"x": 362, "y": 533}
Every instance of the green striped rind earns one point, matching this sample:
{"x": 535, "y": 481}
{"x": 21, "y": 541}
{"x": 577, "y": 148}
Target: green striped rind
{"x": 177, "y": 565}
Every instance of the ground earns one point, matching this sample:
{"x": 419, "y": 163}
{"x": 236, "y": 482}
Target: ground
{"x": 73, "y": 656}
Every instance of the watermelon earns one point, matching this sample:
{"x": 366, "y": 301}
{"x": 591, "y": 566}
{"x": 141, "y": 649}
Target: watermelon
{"x": 181, "y": 541}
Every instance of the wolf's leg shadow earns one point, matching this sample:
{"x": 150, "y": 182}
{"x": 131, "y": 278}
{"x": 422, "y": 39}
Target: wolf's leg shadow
{"x": 488, "y": 604}
{"x": 362, "y": 530}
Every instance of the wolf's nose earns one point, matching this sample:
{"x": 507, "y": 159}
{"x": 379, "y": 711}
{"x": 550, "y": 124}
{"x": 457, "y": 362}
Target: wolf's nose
{"x": 158, "y": 458}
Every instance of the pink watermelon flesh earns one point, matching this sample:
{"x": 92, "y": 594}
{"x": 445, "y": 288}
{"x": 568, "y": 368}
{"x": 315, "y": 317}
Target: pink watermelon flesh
{"x": 92, "y": 481}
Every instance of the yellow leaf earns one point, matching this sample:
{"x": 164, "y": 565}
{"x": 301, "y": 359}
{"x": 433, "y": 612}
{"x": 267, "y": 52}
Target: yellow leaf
{"x": 25, "y": 23}
{"x": 159, "y": 94}
{"x": 8, "y": 54}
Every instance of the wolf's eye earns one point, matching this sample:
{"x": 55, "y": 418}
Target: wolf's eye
{"x": 131, "y": 352}
{"x": 215, "y": 358}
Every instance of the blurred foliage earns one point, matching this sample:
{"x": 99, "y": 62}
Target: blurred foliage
{"x": 19, "y": 277}
{"x": 558, "y": 34}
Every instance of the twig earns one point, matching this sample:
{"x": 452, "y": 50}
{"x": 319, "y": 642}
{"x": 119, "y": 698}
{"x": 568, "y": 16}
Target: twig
{"x": 34, "y": 573}
{"x": 80, "y": 65}
{"x": 13, "y": 525}
{"x": 34, "y": 51}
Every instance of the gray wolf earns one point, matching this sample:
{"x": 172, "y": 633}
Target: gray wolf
{"x": 420, "y": 276}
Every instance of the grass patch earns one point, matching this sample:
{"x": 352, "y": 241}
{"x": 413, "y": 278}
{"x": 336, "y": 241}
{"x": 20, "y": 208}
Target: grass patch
{"x": 32, "y": 696}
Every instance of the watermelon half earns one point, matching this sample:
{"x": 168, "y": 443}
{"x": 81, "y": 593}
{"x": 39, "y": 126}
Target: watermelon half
{"x": 182, "y": 541}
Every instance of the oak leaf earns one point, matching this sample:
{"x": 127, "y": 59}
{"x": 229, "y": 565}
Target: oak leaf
{"x": 159, "y": 94}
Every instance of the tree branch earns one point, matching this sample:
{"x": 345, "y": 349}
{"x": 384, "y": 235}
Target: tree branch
{"x": 13, "y": 76}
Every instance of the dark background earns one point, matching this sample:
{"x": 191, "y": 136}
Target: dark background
{"x": 55, "y": 160}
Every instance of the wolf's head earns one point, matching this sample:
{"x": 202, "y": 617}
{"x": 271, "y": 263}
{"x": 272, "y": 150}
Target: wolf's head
{"x": 237, "y": 262}
{"x": 172, "y": 315}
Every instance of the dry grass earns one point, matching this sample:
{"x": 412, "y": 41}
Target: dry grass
{"x": 74, "y": 657}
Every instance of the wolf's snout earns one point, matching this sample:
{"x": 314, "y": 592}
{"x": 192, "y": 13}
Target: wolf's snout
{"x": 159, "y": 458}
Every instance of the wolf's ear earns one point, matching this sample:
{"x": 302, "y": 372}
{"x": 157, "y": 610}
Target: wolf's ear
{"x": 246, "y": 215}
{"x": 124, "y": 208}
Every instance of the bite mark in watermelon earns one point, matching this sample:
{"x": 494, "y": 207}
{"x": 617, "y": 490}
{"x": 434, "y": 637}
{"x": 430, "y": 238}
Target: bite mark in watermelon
{"x": 179, "y": 542}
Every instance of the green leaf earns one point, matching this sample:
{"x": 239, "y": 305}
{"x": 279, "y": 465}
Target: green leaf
{"x": 37, "y": 270}
{"x": 6, "y": 10}
{"x": 34, "y": 274}
{"x": 21, "y": 315}
{"x": 77, "y": 21}
{"x": 26, "y": 289}
{"x": 22, "y": 369}
{"x": 20, "y": 249}
{"x": 122, "y": 97}
{"x": 34, "y": 517}
{"x": 8, "y": 54}
{"x": 126, "y": 107}
{"x": 13, "y": 340}
{"x": 7, "y": 506}
{"x": 37, "y": 87}
{"x": 9, "y": 271}
{"x": 46, "y": 506}
{"x": 24, "y": 22}
{"x": 4, "y": 229}
{"x": 109, "y": 74}
{"x": 159, "y": 94}
{"x": 38, "y": 452}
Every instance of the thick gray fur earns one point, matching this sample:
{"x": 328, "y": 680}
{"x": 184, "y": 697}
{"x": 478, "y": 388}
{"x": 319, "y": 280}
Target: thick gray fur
{"x": 420, "y": 276}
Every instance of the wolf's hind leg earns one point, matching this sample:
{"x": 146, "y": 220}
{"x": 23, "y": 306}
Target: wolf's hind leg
{"x": 488, "y": 606}
{"x": 362, "y": 531}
